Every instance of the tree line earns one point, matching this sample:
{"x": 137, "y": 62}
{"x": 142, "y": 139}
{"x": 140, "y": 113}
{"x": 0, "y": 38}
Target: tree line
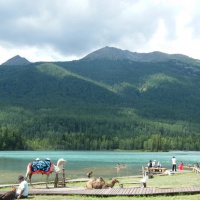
{"x": 98, "y": 135}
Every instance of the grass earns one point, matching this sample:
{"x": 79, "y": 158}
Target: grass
{"x": 177, "y": 180}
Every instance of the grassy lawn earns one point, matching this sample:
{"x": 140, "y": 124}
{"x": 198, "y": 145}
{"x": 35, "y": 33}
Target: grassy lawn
{"x": 177, "y": 180}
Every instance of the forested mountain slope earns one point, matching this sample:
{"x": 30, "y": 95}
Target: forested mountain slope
{"x": 102, "y": 102}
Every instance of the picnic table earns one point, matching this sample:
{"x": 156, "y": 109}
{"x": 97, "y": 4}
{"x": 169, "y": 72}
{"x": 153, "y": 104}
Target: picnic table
{"x": 155, "y": 169}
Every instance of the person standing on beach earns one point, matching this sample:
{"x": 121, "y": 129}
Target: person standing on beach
{"x": 173, "y": 163}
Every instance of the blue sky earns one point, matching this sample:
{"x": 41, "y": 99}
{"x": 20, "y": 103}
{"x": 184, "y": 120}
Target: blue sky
{"x": 63, "y": 30}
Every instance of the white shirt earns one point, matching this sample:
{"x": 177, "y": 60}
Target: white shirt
{"x": 173, "y": 161}
{"x": 23, "y": 185}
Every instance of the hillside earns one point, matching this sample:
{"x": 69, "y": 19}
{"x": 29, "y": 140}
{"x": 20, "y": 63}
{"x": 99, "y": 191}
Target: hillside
{"x": 107, "y": 100}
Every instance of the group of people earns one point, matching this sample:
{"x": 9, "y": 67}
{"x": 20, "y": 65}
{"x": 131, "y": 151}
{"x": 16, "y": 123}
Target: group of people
{"x": 153, "y": 164}
{"x": 180, "y": 167}
{"x": 120, "y": 166}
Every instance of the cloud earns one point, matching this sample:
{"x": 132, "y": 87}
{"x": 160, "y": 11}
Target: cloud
{"x": 70, "y": 29}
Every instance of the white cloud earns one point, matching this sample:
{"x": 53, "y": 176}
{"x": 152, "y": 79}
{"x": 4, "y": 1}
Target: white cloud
{"x": 70, "y": 29}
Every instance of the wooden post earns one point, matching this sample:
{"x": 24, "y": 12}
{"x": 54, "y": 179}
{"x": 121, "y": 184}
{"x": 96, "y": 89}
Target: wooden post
{"x": 63, "y": 179}
{"x": 56, "y": 181}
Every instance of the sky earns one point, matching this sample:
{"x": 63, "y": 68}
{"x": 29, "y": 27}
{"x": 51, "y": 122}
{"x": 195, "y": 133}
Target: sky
{"x": 64, "y": 30}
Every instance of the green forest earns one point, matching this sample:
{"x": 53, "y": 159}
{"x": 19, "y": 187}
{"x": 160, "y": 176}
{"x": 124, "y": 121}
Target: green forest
{"x": 81, "y": 134}
{"x": 100, "y": 105}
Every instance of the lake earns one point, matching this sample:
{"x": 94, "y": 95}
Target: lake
{"x": 79, "y": 163}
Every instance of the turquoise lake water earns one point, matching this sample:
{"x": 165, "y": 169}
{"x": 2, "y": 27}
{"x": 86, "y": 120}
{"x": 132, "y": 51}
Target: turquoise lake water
{"x": 102, "y": 163}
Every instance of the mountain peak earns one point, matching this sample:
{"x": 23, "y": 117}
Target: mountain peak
{"x": 112, "y": 53}
{"x": 16, "y": 60}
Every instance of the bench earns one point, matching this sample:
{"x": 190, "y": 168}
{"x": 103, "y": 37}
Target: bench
{"x": 142, "y": 184}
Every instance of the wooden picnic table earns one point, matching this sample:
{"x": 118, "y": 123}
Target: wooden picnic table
{"x": 155, "y": 169}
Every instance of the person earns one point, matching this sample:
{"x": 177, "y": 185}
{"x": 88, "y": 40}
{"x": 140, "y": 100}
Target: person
{"x": 173, "y": 163}
{"x": 123, "y": 165}
{"x": 118, "y": 166}
{"x": 159, "y": 164}
{"x": 180, "y": 167}
{"x": 22, "y": 190}
{"x": 150, "y": 163}
{"x": 154, "y": 163}
{"x": 89, "y": 174}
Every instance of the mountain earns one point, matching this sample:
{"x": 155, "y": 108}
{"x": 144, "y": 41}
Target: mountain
{"x": 16, "y": 60}
{"x": 107, "y": 100}
{"x": 112, "y": 53}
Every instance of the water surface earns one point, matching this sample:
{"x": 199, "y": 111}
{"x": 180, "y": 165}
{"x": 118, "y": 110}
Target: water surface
{"x": 102, "y": 163}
